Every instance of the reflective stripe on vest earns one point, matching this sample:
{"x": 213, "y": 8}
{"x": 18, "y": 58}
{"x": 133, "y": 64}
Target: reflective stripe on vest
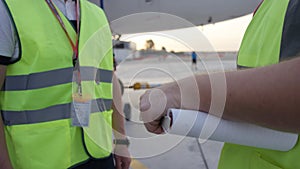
{"x": 50, "y": 78}
{"x": 57, "y": 112}
{"x": 261, "y": 46}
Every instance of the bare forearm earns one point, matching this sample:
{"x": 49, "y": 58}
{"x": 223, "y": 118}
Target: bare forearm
{"x": 266, "y": 96}
{"x": 118, "y": 124}
{"x": 121, "y": 153}
{"x": 4, "y": 158}
{"x": 118, "y": 116}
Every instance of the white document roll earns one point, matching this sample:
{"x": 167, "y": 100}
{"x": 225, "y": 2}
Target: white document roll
{"x": 201, "y": 125}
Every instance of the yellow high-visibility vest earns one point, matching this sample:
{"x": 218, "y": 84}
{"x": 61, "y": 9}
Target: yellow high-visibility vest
{"x": 264, "y": 43}
{"x": 36, "y": 100}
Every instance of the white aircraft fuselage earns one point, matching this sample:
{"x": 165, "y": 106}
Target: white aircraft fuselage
{"x": 134, "y": 16}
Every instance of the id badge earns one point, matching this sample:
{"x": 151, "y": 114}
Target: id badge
{"x": 80, "y": 112}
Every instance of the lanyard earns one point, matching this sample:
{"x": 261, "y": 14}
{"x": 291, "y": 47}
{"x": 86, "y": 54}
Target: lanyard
{"x": 59, "y": 19}
{"x": 74, "y": 45}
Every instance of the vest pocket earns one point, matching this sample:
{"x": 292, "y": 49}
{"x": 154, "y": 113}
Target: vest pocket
{"x": 257, "y": 162}
{"x": 98, "y": 136}
{"x": 40, "y": 146}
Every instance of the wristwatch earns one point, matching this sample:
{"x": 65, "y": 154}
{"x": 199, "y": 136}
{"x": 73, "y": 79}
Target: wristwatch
{"x": 121, "y": 141}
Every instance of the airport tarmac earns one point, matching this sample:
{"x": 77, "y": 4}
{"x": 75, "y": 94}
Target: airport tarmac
{"x": 166, "y": 151}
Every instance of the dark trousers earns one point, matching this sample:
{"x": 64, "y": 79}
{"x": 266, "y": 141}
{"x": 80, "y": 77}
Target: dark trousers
{"x": 104, "y": 163}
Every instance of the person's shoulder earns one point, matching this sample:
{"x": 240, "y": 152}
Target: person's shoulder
{"x": 2, "y": 7}
{"x": 1, "y": 3}
{"x": 4, "y": 13}
{"x": 8, "y": 49}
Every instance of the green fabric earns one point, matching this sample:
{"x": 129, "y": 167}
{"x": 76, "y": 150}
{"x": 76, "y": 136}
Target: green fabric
{"x": 17, "y": 100}
{"x": 56, "y": 52}
{"x": 101, "y": 90}
{"x": 260, "y": 47}
{"x": 243, "y": 157}
{"x": 261, "y": 42}
{"x": 42, "y": 145}
{"x": 96, "y": 139}
{"x": 45, "y": 47}
{"x": 95, "y": 36}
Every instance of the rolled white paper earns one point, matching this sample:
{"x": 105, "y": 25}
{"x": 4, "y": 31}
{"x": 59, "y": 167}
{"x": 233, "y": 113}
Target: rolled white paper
{"x": 191, "y": 123}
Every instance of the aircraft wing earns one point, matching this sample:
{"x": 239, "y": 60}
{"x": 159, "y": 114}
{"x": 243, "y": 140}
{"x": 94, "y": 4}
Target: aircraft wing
{"x": 134, "y": 16}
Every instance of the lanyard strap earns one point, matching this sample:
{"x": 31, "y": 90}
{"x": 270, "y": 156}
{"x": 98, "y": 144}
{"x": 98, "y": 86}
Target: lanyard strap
{"x": 59, "y": 19}
{"x": 73, "y": 45}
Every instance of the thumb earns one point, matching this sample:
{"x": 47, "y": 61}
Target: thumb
{"x": 144, "y": 101}
{"x": 153, "y": 105}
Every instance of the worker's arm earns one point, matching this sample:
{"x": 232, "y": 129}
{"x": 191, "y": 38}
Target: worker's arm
{"x": 4, "y": 158}
{"x": 267, "y": 96}
{"x": 122, "y": 155}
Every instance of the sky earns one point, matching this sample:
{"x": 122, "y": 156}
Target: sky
{"x": 221, "y": 36}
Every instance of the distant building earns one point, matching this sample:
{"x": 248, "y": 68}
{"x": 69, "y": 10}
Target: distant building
{"x": 124, "y": 50}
